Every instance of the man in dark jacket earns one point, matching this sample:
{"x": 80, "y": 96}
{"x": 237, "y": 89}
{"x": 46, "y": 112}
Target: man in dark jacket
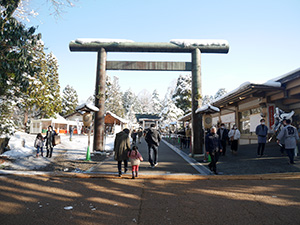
{"x": 261, "y": 132}
{"x": 223, "y": 136}
{"x": 121, "y": 148}
{"x": 213, "y": 147}
{"x": 49, "y": 140}
{"x": 153, "y": 138}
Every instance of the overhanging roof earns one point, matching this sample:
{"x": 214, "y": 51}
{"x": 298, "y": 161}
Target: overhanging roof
{"x": 244, "y": 91}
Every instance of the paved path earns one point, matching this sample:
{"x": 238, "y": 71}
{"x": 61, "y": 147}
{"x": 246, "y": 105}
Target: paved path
{"x": 170, "y": 161}
{"x": 80, "y": 201}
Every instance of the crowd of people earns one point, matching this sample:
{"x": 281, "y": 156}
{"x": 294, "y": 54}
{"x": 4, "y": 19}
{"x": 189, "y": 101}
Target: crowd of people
{"x": 216, "y": 143}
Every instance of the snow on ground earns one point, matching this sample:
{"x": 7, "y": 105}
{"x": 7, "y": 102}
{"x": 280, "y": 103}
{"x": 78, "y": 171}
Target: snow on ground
{"x": 24, "y": 158}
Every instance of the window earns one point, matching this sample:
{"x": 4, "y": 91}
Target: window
{"x": 245, "y": 119}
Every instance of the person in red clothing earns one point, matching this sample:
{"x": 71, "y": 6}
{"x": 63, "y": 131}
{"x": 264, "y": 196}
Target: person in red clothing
{"x": 135, "y": 159}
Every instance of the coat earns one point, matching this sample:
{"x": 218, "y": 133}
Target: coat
{"x": 153, "y": 137}
{"x": 49, "y": 137}
{"x": 288, "y": 136}
{"x": 261, "y": 132}
{"x": 38, "y": 143}
{"x": 121, "y": 146}
{"x": 224, "y": 136}
{"x": 212, "y": 143}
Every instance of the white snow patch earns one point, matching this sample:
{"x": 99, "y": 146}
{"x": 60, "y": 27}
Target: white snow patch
{"x": 100, "y": 40}
{"x": 199, "y": 42}
{"x": 24, "y": 158}
{"x": 88, "y": 106}
{"x": 207, "y": 107}
{"x": 272, "y": 83}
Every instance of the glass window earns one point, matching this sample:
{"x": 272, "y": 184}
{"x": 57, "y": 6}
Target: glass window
{"x": 245, "y": 119}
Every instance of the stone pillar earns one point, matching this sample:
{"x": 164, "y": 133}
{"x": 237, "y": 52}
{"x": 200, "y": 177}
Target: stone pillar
{"x": 99, "y": 125}
{"x": 197, "y": 127}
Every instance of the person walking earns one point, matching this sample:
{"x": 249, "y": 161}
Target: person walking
{"x": 153, "y": 139}
{"x": 121, "y": 148}
{"x": 213, "y": 148}
{"x": 133, "y": 136}
{"x": 261, "y": 132}
{"x": 188, "y": 134}
{"x": 71, "y": 131}
{"x": 135, "y": 158}
{"x": 49, "y": 140}
{"x": 289, "y": 136}
{"x": 140, "y": 135}
{"x": 234, "y": 136}
{"x": 223, "y": 136}
{"x": 39, "y": 144}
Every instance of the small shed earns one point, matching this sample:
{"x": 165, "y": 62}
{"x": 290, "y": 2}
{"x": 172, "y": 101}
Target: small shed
{"x": 114, "y": 123}
{"x": 59, "y": 124}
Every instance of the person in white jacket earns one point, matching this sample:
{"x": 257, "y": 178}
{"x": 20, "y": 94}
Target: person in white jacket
{"x": 234, "y": 136}
{"x": 289, "y": 136}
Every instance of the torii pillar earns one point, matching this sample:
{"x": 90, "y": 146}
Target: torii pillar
{"x": 102, "y": 46}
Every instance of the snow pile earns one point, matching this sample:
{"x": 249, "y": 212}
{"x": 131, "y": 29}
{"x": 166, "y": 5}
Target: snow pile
{"x": 100, "y": 40}
{"x": 24, "y": 157}
{"x": 87, "y": 107}
{"x": 207, "y": 107}
{"x": 199, "y": 42}
{"x": 272, "y": 83}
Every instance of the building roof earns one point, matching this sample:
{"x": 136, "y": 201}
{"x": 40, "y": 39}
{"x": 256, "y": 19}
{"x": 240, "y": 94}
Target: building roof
{"x": 141, "y": 117}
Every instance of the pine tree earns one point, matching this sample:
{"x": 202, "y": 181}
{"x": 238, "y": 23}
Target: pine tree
{"x": 15, "y": 43}
{"x": 145, "y": 104}
{"x": 156, "y": 103}
{"x": 170, "y": 112}
{"x": 207, "y": 99}
{"x": 130, "y": 105}
{"x": 113, "y": 102}
{"x": 183, "y": 92}
{"x": 69, "y": 100}
{"x": 220, "y": 93}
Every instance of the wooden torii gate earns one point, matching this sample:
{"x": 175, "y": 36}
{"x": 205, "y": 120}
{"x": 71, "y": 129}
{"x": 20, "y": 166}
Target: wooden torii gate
{"x": 195, "y": 48}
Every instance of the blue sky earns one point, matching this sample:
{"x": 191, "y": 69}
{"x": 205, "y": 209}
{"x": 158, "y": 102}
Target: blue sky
{"x": 263, "y": 35}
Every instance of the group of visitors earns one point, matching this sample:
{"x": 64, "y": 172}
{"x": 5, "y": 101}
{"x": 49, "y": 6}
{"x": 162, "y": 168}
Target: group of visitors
{"x": 216, "y": 141}
{"x": 49, "y": 139}
{"x": 125, "y": 151}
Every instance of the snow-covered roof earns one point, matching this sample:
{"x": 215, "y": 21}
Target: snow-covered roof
{"x": 87, "y": 107}
{"x": 270, "y": 84}
{"x": 207, "y": 108}
{"x": 199, "y": 42}
{"x": 185, "y": 117}
{"x": 117, "y": 117}
{"x": 285, "y": 76}
{"x": 100, "y": 40}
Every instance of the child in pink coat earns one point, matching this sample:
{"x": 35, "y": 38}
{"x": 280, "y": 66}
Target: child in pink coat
{"x": 135, "y": 159}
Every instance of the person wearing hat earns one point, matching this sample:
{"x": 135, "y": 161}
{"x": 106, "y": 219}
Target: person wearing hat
{"x": 121, "y": 148}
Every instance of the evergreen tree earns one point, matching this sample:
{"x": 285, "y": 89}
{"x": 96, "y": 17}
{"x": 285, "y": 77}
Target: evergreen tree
{"x": 183, "y": 92}
{"x": 130, "y": 105}
{"x": 15, "y": 44}
{"x": 69, "y": 100}
{"x": 170, "y": 112}
{"x": 156, "y": 103}
{"x": 207, "y": 99}
{"x": 113, "y": 102}
{"x": 220, "y": 93}
{"x": 144, "y": 99}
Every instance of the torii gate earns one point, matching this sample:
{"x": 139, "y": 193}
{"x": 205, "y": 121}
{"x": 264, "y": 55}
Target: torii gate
{"x": 195, "y": 47}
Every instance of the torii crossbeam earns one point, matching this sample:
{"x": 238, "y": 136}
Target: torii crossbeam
{"x": 195, "y": 47}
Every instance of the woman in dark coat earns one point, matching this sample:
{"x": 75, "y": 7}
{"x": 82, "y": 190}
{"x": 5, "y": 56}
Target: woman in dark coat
{"x": 49, "y": 141}
{"x": 121, "y": 148}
